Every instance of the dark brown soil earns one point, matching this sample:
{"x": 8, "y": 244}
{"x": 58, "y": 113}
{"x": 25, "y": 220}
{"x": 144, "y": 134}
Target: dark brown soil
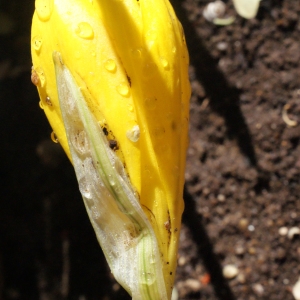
{"x": 242, "y": 177}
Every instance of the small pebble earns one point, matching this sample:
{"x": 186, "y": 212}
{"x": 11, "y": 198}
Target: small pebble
{"x": 222, "y": 46}
{"x": 296, "y": 290}
{"x": 175, "y": 295}
{"x": 116, "y": 287}
{"x": 241, "y": 278}
{"x": 251, "y": 228}
{"x": 193, "y": 284}
{"x": 214, "y": 10}
{"x": 292, "y": 232}
{"x": 221, "y": 197}
{"x": 283, "y": 231}
{"x": 243, "y": 223}
{"x": 239, "y": 250}
{"x": 181, "y": 261}
{"x": 258, "y": 289}
{"x": 293, "y": 215}
{"x": 230, "y": 271}
{"x": 251, "y": 250}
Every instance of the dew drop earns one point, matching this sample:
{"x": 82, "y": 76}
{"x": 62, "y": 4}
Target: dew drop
{"x": 151, "y": 37}
{"x": 148, "y": 174}
{"x": 37, "y": 42}
{"x": 137, "y": 53}
{"x": 174, "y": 49}
{"x": 152, "y": 258}
{"x": 84, "y": 30}
{"x": 164, "y": 63}
{"x": 44, "y": 9}
{"x": 41, "y": 104}
{"x": 54, "y": 137}
{"x": 131, "y": 108}
{"x": 123, "y": 89}
{"x": 111, "y": 180}
{"x": 85, "y": 188}
{"x": 48, "y": 101}
{"x": 150, "y": 103}
{"x": 147, "y": 278}
{"x": 110, "y": 65}
{"x": 41, "y": 75}
{"x": 134, "y": 133}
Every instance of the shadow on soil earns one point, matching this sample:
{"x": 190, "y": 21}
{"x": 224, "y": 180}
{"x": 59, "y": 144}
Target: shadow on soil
{"x": 223, "y": 98}
{"x": 205, "y": 249}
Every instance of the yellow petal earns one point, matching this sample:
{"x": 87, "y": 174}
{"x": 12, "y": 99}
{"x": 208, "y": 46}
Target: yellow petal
{"x": 130, "y": 60}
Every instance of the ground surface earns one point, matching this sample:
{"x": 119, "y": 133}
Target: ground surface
{"x": 242, "y": 177}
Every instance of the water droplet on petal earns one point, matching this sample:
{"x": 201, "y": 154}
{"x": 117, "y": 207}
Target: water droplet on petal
{"x": 37, "y": 42}
{"x": 123, "y": 89}
{"x": 174, "y": 49}
{"x": 85, "y": 188}
{"x": 150, "y": 102}
{"x": 54, "y": 137}
{"x": 134, "y": 133}
{"x": 148, "y": 174}
{"x": 41, "y": 75}
{"x": 48, "y": 101}
{"x": 147, "y": 278}
{"x": 137, "y": 52}
{"x": 151, "y": 38}
{"x": 164, "y": 63}
{"x": 41, "y": 104}
{"x": 131, "y": 108}
{"x": 84, "y": 30}
{"x": 44, "y": 9}
{"x": 110, "y": 65}
{"x": 111, "y": 180}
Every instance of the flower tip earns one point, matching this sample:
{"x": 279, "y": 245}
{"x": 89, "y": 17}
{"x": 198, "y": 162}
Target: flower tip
{"x": 57, "y": 59}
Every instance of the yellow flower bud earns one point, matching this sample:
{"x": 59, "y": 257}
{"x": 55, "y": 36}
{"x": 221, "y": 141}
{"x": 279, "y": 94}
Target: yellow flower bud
{"x": 123, "y": 65}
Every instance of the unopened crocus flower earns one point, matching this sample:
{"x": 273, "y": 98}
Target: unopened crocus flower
{"x": 113, "y": 82}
